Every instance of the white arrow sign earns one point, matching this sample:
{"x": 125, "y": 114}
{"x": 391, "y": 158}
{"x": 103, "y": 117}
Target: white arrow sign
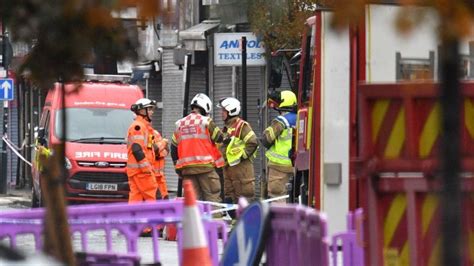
{"x": 245, "y": 249}
{"x": 6, "y": 87}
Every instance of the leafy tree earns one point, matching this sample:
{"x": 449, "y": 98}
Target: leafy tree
{"x": 65, "y": 33}
{"x": 280, "y": 23}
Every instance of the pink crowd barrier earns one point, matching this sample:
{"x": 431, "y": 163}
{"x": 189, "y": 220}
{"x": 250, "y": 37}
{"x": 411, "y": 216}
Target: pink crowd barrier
{"x": 298, "y": 236}
{"x": 351, "y": 241}
{"x": 128, "y": 219}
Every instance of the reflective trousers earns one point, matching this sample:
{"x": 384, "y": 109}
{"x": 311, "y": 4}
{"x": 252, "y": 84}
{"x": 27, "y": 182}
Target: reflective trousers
{"x": 142, "y": 188}
{"x": 162, "y": 187}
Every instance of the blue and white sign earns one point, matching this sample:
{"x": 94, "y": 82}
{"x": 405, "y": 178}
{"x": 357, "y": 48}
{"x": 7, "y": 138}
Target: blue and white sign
{"x": 6, "y": 89}
{"x": 247, "y": 241}
{"x": 228, "y": 50}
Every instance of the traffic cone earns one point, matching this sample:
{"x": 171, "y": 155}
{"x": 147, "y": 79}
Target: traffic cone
{"x": 170, "y": 232}
{"x": 195, "y": 248}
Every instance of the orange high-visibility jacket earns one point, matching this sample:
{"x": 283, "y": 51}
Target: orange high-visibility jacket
{"x": 218, "y": 158}
{"x": 194, "y": 142}
{"x": 161, "y": 152}
{"x": 140, "y": 132}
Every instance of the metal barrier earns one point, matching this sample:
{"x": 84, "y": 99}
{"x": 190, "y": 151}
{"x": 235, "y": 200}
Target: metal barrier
{"x": 298, "y": 236}
{"x": 128, "y": 219}
{"x": 351, "y": 241}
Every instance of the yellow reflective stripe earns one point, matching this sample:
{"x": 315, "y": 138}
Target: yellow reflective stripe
{"x": 430, "y": 204}
{"x": 397, "y": 137}
{"x": 138, "y": 165}
{"x": 394, "y": 215}
{"x": 234, "y": 162}
{"x": 430, "y": 131}
{"x": 428, "y": 209}
{"x": 272, "y": 133}
{"x": 435, "y": 255}
{"x": 378, "y": 115}
{"x": 404, "y": 255}
{"x": 173, "y": 139}
{"x": 215, "y": 132}
{"x": 469, "y": 116}
{"x": 276, "y": 155}
{"x": 249, "y": 135}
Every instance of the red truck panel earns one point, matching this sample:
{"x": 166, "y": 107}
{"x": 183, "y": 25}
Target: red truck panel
{"x": 399, "y": 134}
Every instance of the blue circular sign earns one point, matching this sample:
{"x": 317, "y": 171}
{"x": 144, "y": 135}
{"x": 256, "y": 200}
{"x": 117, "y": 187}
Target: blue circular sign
{"x": 247, "y": 240}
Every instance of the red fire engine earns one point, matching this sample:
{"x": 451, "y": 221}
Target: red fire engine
{"x": 368, "y": 133}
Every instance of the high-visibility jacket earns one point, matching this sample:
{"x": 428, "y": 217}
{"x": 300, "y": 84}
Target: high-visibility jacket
{"x": 41, "y": 150}
{"x": 279, "y": 152}
{"x": 140, "y": 132}
{"x": 218, "y": 158}
{"x": 235, "y": 150}
{"x": 193, "y": 140}
{"x": 161, "y": 151}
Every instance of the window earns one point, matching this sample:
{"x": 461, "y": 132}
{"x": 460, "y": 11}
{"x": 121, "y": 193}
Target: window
{"x": 94, "y": 123}
{"x": 308, "y": 64}
{"x": 415, "y": 68}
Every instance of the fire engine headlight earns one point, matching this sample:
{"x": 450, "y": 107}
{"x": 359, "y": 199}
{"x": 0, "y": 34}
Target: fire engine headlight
{"x": 67, "y": 163}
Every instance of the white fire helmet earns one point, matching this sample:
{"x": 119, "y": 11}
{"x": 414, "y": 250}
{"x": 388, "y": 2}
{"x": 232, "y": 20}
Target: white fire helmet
{"x": 201, "y": 100}
{"x": 231, "y": 105}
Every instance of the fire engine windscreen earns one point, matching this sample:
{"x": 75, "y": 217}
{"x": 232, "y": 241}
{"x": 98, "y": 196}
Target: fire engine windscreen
{"x": 92, "y": 125}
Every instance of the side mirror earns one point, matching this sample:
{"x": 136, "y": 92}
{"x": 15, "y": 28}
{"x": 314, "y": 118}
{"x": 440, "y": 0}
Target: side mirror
{"x": 276, "y": 71}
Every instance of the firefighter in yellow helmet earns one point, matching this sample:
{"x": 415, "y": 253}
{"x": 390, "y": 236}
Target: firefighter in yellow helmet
{"x": 278, "y": 140}
{"x": 238, "y": 150}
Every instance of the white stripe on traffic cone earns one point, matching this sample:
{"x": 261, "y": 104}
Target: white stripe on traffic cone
{"x": 195, "y": 248}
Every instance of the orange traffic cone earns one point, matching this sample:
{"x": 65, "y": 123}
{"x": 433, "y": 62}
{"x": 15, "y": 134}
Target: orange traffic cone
{"x": 195, "y": 249}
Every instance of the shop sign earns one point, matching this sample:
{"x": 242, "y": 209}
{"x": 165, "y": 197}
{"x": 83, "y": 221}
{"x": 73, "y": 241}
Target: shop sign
{"x": 228, "y": 49}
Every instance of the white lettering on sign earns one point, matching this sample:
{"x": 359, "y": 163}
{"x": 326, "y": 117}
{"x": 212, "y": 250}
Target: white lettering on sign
{"x": 228, "y": 50}
{"x": 115, "y": 155}
{"x": 98, "y": 154}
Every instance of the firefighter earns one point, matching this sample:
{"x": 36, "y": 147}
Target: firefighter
{"x": 161, "y": 148}
{"x": 239, "y": 150}
{"x": 193, "y": 149}
{"x": 141, "y": 177}
{"x": 277, "y": 139}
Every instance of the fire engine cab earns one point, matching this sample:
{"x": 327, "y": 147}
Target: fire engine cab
{"x": 97, "y": 119}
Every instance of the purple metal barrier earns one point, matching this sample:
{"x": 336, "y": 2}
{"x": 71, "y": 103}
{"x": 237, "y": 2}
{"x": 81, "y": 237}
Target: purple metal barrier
{"x": 298, "y": 236}
{"x": 128, "y": 219}
{"x": 351, "y": 241}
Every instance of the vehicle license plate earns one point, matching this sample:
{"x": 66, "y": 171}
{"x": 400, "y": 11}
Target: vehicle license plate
{"x": 101, "y": 186}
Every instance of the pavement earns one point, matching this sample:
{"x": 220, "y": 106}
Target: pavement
{"x": 16, "y": 197}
